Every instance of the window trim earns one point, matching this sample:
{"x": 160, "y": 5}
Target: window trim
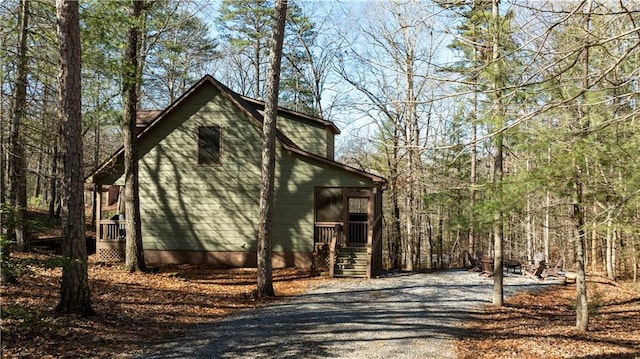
{"x": 317, "y": 198}
{"x": 209, "y": 158}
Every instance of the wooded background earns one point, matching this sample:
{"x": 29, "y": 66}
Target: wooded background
{"x": 516, "y": 120}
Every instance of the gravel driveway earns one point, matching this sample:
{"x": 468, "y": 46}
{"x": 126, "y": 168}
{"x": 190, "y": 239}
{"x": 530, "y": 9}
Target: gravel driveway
{"x": 401, "y": 315}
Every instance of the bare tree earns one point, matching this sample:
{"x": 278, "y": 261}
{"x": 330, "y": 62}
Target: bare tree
{"x": 581, "y": 127}
{"x": 265, "y": 221}
{"x": 17, "y": 163}
{"x": 75, "y": 295}
{"x": 390, "y": 65}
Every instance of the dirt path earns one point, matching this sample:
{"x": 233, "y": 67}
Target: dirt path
{"x": 396, "y": 316}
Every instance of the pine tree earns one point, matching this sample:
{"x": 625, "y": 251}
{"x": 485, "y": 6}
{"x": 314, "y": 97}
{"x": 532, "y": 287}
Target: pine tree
{"x": 134, "y": 258}
{"x": 75, "y": 296}
{"x": 265, "y": 219}
{"x": 17, "y": 162}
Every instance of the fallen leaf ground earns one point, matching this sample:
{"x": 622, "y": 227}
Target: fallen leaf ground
{"x": 146, "y": 308}
{"x": 132, "y": 309}
{"x": 542, "y": 325}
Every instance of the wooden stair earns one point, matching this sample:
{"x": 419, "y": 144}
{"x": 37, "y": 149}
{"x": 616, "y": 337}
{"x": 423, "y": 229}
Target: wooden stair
{"x": 351, "y": 262}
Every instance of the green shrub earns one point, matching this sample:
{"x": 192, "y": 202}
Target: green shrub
{"x": 26, "y": 317}
{"x": 13, "y": 268}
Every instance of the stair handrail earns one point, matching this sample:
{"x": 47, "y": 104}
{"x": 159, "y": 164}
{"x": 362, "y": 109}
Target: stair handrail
{"x": 333, "y": 248}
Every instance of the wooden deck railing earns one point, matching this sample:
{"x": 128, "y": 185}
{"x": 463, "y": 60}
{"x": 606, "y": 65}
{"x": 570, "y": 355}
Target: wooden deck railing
{"x": 324, "y": 232}
{"x": 111, "y": 230}
{"x": 358, "y": 232}
{"x": 334, "y": 247}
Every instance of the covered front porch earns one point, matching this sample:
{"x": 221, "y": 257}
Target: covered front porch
{"x": 348, "y": 230}
{"x": 110, "y": 224}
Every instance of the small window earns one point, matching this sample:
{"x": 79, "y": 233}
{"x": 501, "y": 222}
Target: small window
{"x": 209, "y": 145}
{"x": 328, "y": 204}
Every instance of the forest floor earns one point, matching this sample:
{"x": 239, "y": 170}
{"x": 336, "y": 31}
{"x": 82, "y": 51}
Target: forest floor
{"x": 135, "y": 310}
{"x": 542, "y": 325}
{"x": 139, "y": 309}
{"x": 132, "y": 309}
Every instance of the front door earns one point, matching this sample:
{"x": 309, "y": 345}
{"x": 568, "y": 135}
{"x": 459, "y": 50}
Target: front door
{"x": 357, "y": 217}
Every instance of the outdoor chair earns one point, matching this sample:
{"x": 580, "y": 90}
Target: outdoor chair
{"x": 487, "y": 266}
{"x": 534, "y": 271}
{"x": 475, "y": 263}
{"x": 555, "y": 271}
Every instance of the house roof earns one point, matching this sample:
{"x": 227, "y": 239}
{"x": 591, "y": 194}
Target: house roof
{"x": 144, "y": 117}
{"x": 250, "y": 108}
{"x": 260, "y": 105}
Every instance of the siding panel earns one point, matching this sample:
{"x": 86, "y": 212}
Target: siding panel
{"x": 311, "y": 137}
{"x": 185, "y": 206}
{"x": 190, "y": 207}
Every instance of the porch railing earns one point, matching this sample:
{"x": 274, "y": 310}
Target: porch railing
{"x": 358, "y": 232}
{"x": 334, "y": 248}
{"x": 112, "y": 230}
{"x": 324, "y": 232}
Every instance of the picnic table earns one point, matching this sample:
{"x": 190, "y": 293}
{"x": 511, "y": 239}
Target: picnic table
{"x": 512, "y": 264}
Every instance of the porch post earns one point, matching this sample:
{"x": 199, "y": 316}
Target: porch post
{"x": 370, "y": 218}
{"x": 333, "y": 250}
{"x": 98, "y": 214}
{"x": 345, "y": 216}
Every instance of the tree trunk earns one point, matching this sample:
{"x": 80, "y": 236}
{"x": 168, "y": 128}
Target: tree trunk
{"x": 96, "y": 162}
{"x": 498, "y": 230}
{"x": 529, "y": 226}
{"x": 256, "y": 69}
{"x": 583, "y": 125}
{"x": 594, "y": 247}
{"x": 265, "y": 281}
{"x": 53, "y": 177}
{"x": 614, "y": 253}
{"x": 582, "y": 309}
{"x": 75, "y": 295}
{"x": 547, "y": 221}
{"x": 4, "y": 250}
{"x": 142, "y": 49}
{"x": 134, "y": 256}
{"x": 2, "y": 152}
{"x": 609, "y": 255}
{"x": 410, "y": 249}
{"x": 395, "y": 241}
{"x": 440, "y": 239}
{"x": 474, "y": 171}
{"x": 635, "y": 255}
{"x": 17, "y": 167}
{"x": 547, "y": 212}
{"x": 412, "y": 140}
{"x": 430, "y": 239}
{"x": 37, "y": 186}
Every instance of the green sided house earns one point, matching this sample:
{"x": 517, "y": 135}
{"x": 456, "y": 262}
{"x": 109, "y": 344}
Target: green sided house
{"x": 200, "y": 161}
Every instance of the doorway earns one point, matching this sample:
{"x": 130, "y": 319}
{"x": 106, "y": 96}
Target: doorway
{"x": 358, "y": 221}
